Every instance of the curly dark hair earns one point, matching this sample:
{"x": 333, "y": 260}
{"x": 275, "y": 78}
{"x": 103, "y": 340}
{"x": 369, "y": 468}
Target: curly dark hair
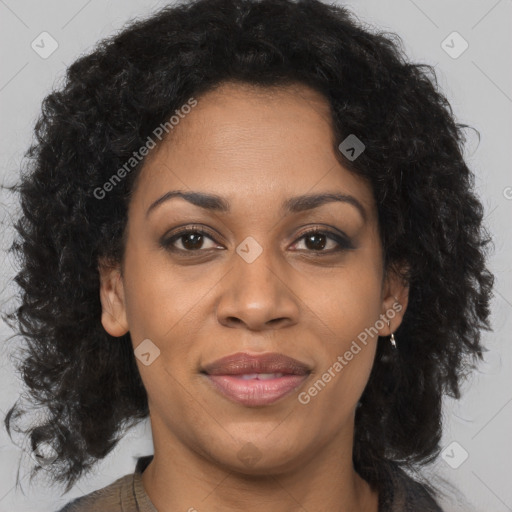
{"x": 430, "y": 220}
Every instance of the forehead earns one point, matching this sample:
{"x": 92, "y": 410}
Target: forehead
{"x": 252, "y": 145}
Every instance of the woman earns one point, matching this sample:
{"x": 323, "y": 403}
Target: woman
{"x": 251, "y": 221}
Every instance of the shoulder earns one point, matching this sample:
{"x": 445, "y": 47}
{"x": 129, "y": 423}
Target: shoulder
{"x": 404, "y": 494}
{"x": 126, "y": 494}
{"x": 418, "y": 498}
{"x": 112, "y": 498}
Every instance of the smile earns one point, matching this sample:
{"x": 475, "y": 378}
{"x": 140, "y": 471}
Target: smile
{"x": 254, "y": 390}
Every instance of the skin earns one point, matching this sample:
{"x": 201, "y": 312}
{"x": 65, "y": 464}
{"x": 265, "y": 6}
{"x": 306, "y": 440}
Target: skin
{"x": 255, "y": 147}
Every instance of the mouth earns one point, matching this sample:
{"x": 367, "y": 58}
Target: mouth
{"x": 255, "y": 381}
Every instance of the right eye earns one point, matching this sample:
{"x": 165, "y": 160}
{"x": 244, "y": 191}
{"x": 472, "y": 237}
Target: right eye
{"x": 191, "y": 239}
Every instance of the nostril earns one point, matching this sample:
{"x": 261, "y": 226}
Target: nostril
{"x": 276, "y": 321}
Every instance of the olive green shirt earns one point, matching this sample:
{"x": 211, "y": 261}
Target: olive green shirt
{"x": 127, "y": 494}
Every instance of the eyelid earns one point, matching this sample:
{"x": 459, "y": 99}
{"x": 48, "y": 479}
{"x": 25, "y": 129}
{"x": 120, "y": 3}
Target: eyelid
{"x": 199, "y": 228}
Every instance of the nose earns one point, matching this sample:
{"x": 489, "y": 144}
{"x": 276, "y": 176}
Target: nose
{"x": 257, "y": 296}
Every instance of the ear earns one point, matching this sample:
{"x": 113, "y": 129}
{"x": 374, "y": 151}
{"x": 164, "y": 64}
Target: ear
{"x": 395, "y": 298}
{"x": 113, "y": 315}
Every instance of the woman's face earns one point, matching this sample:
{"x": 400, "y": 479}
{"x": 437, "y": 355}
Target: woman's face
{"x": 252, "y": 282}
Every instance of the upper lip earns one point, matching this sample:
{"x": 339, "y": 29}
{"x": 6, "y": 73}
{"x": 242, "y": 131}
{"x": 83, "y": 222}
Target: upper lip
{"x": 242, "y": 363}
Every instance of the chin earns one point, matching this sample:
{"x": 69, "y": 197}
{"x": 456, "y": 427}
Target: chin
{"x": 260, "y": 456}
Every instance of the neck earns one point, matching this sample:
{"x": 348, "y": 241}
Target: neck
{"x": 179, "y": 478}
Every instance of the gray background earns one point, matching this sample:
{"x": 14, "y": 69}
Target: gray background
{"x": 478, "y": 84}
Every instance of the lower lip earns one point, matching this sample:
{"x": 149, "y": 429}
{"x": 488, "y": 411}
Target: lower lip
{"x": 255, "y": 392}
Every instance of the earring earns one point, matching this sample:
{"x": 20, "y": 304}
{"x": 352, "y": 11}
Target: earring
{"x": 392, "y": 339}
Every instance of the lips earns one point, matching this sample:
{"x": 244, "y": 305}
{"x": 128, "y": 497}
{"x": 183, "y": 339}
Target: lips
{"x": 256, "y": 380}
{"x": 270, "y": 363}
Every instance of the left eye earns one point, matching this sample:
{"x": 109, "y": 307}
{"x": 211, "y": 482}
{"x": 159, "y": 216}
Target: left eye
{"x": 317, "y": 241}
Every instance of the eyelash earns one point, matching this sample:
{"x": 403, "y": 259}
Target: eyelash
{"x": 343, "y": 242}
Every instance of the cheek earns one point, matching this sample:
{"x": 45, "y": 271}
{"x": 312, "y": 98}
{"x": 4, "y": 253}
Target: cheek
{"x": 330, "y": 400}
{"x": 349, "y": 300}
{"x": 346, "y": 314}
{"x": 169, "y": 307}
{"x": 346, "y": 321}
{"x": 160, "y": 300}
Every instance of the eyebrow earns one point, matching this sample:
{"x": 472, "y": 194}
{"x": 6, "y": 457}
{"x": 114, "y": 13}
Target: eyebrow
{"x": 295, "y": 204}
{"x": 310, "y": 201}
